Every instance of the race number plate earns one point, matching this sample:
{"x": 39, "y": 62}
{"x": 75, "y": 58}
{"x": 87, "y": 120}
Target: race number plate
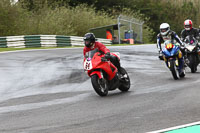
{"x": 88, "y": 65}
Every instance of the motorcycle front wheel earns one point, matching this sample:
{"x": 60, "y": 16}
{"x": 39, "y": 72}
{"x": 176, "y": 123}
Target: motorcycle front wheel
{"x": 100, "y": 85}
{"x": 125, "y": 81}
{"x": 192, "y": 59}
{"x": 173, "y": 69}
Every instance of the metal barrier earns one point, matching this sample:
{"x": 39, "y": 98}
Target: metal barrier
{"x": 44, "y": 41}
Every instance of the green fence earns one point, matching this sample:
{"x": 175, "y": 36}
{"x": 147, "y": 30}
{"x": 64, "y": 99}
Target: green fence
{"x": 3, "y": 42}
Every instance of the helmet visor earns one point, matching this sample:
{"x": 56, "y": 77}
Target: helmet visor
{"x": 187, "y": 26}
{"x": 87, "y": 43}
{"x": 163, "y": 30}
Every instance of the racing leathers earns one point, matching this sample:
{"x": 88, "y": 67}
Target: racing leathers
{"x": 194, "y": 32}
{"x": 103, "y": 50}
{"x": 173, "y": 37}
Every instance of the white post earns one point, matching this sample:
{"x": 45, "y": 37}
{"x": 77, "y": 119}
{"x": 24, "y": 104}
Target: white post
{"x": 141, "y": 32}
{"x": 118, "y": 22}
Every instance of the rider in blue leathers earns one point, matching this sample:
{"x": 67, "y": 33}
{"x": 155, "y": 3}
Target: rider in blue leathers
{"x": 167, "y": 34}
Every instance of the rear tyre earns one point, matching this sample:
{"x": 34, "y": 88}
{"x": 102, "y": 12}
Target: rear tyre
{"x": 100, "y": 85}
{"x": 125, "y": 81}
{"x": 182, "y": 75}
{"x": 174, "y": 70}
{"x": 192, "y": 64}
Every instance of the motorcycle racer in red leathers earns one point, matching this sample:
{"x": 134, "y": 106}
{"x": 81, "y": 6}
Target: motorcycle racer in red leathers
{"x": 91, "y": 44}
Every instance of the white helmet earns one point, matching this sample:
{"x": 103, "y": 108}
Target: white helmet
{"x": 164, "y": 29}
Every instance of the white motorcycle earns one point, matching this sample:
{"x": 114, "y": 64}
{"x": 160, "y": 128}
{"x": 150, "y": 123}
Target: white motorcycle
{"x": 192, "y": 53}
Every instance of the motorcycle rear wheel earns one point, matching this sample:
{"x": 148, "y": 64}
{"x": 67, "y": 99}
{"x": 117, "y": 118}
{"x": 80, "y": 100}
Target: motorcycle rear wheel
{"x": 125, "y": 82}
{"x": 100, "y": 85}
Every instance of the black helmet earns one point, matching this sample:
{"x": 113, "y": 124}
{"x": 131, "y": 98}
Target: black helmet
{"x": 89, "y": 39}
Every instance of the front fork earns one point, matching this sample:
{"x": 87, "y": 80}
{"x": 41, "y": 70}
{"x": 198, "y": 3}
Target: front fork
{"x": 179, "y": 63}
{"x": 168, "y": 62}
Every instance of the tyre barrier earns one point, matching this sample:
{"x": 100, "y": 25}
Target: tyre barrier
{"x": 44, "y": 41}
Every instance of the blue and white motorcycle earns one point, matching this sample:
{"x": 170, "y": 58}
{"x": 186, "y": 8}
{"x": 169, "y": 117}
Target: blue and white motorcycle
{"x": 174, "y": 60}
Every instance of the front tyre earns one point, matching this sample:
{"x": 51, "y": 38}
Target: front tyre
{"x": 99, "y": 85}
{"x": 173, "y": 69}
{"x": 124, "y": 81}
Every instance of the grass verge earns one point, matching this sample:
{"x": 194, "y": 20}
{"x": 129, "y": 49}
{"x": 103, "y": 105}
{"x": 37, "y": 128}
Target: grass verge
{"x": 16, "y": 49}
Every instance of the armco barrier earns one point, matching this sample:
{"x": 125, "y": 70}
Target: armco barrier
{"x": 44, "y": 41}
{"x": 3, "y": 42}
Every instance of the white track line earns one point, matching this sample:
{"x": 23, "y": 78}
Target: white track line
{"x": 177, "y": 127}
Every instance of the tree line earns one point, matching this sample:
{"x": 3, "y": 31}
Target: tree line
{"x": 75, "y": 17}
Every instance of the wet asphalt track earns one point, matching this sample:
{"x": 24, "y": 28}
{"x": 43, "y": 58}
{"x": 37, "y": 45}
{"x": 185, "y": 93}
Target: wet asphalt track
{"x": 46, "y": 91}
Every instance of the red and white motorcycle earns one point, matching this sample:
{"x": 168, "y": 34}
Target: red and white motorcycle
{"x": 104, "y": 75}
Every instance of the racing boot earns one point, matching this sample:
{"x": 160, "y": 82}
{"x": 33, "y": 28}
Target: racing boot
{"x": 120, "y": 73}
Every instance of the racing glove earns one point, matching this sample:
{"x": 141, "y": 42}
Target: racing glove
{"x": 159, "y": 52}
{"x": 107, "y": 55}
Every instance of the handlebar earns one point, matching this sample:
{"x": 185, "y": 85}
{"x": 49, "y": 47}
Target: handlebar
{"x": 103, "y": 59}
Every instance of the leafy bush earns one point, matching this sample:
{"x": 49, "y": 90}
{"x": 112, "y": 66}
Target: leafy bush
{"x": 16, "y": 20}
{"x": 9, "y": 17}
{"x": 73, "y": 17}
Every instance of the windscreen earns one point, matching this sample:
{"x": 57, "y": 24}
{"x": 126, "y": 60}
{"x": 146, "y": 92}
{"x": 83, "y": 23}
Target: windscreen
{"x": 91, "y": 53}
{"x": 190, "y": 40}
